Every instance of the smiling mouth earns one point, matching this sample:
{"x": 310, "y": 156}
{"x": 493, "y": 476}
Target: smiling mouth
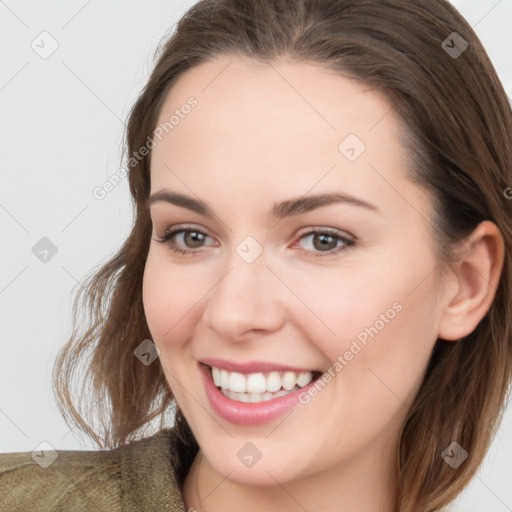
{"x": 260, "y": 386}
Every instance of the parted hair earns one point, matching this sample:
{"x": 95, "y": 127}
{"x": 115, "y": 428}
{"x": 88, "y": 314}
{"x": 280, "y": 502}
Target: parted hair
{"x": 456, "y": 120}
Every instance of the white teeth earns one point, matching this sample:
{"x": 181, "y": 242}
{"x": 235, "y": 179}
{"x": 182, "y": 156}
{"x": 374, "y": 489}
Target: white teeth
{"x": 224, "y": 379}
{"x": 289, "y": 380}
{"x": 256, "y": 383}
{"x": 216, "y": 375}
{"x": 237, "y": 382}
{"x": 273, "y": 382}
{"x": 255, "y": 397}
{"x": 257, "y": 386}
{"x": 304, "y": 379}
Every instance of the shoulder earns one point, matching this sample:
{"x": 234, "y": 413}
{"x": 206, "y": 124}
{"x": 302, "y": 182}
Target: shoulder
{"x": 137, "y": 476}
{"x": 53, "y": 480}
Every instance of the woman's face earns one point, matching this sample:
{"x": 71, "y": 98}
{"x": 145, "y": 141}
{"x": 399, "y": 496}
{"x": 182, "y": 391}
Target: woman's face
{"x": 357, "y": 303}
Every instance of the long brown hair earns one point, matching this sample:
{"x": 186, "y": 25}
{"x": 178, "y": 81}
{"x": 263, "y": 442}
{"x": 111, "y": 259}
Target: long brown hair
{"x": 458, "y": 131}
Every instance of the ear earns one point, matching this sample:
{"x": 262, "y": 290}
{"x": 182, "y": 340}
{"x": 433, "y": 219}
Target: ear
{"x": 477, "y": 274}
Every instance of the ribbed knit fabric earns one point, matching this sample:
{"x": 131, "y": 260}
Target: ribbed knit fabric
{"x": 133, "y": 478}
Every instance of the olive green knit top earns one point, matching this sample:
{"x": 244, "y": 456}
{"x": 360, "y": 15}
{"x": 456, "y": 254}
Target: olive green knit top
{"x": 144, "y": 475}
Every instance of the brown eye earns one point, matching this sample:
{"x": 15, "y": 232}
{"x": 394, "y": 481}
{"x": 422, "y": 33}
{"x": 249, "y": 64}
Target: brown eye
{"x": 193, "y": 239}
{"x": 184, "y": 241}
{"x": 326, "y": 242}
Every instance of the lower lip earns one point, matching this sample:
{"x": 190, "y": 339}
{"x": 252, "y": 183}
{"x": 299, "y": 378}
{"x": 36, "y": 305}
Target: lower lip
{"x": 243, "y": 413}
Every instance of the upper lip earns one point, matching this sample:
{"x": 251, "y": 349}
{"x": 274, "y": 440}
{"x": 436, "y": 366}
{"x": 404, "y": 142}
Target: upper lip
{"x": 251, "y": 366}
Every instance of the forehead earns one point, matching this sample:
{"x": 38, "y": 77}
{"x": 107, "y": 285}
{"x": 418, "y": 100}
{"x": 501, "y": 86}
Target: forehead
{"x": 276, "y": 127}
{"x": 281, "y": 97}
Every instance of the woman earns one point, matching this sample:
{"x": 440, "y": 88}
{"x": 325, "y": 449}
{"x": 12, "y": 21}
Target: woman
{"x": 318, "y": 276}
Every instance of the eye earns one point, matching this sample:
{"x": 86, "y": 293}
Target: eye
{"x": 323, "y": 241}
{"x": 326, "y": 242}
{"x": 192, "y": 238}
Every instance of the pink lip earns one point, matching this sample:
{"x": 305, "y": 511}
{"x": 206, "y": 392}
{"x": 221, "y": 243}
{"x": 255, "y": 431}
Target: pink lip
{"x": 251, "y": 367}
{"x": 243, "y": 413}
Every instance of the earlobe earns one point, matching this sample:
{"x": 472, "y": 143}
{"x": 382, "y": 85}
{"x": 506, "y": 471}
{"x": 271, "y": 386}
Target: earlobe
{"x": 478, "y": 272}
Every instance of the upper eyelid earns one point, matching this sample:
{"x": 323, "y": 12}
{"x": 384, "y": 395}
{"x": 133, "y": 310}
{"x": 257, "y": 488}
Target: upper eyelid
{"x": 178, "y": 229}
{"x": 347, "y": 240}
{"x": 307, "y": 230}
{"x": 303, "y": 230}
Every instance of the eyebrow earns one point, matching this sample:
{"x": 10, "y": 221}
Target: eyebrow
{"x": 290, "y": 207}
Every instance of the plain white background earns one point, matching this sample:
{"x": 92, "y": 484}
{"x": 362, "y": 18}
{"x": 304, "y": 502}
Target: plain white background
{"x": 61, "y": 132}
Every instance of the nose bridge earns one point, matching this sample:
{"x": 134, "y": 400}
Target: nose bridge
{"x": 245, "y": 297}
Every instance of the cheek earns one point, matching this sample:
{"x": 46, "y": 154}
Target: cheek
{"x": 339, "y": 305}
{"x": 169, "y": 301}
{"x": 376, "y": 324}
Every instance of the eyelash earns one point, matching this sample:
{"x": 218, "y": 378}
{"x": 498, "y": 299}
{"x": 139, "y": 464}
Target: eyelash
{"x": 167, "y": 236}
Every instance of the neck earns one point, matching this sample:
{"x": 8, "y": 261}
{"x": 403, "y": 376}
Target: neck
{"x": 365, "y": 484}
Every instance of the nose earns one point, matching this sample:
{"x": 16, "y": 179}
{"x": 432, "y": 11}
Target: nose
{"x": 245, "y": 301}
